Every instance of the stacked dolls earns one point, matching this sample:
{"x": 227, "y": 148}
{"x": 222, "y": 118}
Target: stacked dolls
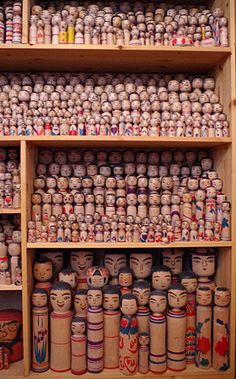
{"x": 10, "y": 187}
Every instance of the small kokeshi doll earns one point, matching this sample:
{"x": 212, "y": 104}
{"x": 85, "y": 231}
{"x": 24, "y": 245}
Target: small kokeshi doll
{"x": 128, "y": 347}
{"x": 40, "y": 331}
{"x": 125, "y": 279}
{"x": 161, "y": 277}
{"x": 143, "y": 353}
{"x": 189, "y": 280}
{"x": 226, "y": 221}
{"x": 176, "y": 326}
{"x": 43, "y": 273}
{"x": 112, "y": 315}
{"x": 60, "y": 326}
{"x": 221, "y": 331}
{"x": 68, "y": 276}
{"x": 157, "y": 322}
{"x": 186, "y": 209}
{"x": 173, "y": 258}
{"x": 141, "y": 289}
{"x": 97, "y": 276}
{"x": 203, "y": 265}
{"x": 81, "y": 302}
{"x": 114, "y": 262}
{"x": 95, "y": 328}
{"x": 141, "y": 264}
{"x": 57, "y": 260}
{"x": 78, "y": 346}
{"x": 80, "y": 261}
{"x": 204, "y": 327}
{"x": 210, "y": 204}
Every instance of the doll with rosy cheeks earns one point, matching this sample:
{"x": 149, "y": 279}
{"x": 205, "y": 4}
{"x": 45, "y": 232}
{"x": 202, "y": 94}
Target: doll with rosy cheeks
{"x": 81, "y": 302}
{"x": 125, "y": 280}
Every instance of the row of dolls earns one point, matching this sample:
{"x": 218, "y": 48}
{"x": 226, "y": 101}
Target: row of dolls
{"x": 127, "y": 24}
{"x": 189, "y": 327}
{"x": 10, "y": 250}
{"x": 111, "y": 104}
{"x": 10, "y": 187}
{"x": 11, "y": 22}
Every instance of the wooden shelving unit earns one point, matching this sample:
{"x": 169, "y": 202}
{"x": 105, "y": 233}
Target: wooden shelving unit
{"x": 219, "y": 62}
{"x": 10, "y": 287}
{"x": 10, "y": 211}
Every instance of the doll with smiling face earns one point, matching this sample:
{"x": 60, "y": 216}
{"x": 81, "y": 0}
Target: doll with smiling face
{"x": 80, "y": 261}
{"x": 176, "y": 326}
{"x": 81, "y": 302}
{"x": 78, "y": 346}
{"x": 43, "y": 273}
{"x": 60, "y": 323}
{"x": 221, "y": 329}
{"x": 40, "y": 358}
{"x": 141, "y": 289}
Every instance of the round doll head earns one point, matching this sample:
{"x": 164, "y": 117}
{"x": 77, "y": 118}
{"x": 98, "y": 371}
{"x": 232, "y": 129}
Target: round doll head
{"x": 174, "y": 260}
{"x": 111, "y": 297}
{"x": 80, "y": 301}
{"x": 203, "y": 262}
{"x": 141, "y": 264}
{"x": 189, "y": 280}
{"x": 144, "y": 339}
{"x": 69, "y": 276}
{"x": 60, "y": 297}
{"x": 161, "y": 277}
{"x": 42, "y": 269}
{"x": 125, "y": 277}
{"x": 158, "y": 301}
{"x": 128, "y": 304}
{"x": 177, "y": 296}
{"x": 141, "y": 289}
{"x": 57, "y": 259}
{"x": 204, "y": 295}
{"x": 94, "y": 297}
{"x": 222, "y": 296}
{"x": 97, "y": 276}
{"x": 80, "y": 261}
{"x": 39, "y": 297}
{"x": 114, "y": 262}
{"x": 78, "y": 325}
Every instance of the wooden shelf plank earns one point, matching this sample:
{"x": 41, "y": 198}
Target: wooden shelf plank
{"x": 10, "y": 211}
{"x": 11, "y": 287}
{"x": 126, "y": 245}
{"x": 111, "y": 58}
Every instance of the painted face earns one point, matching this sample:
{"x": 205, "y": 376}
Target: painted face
{"x": 39, "y": 299}
{"x": 80, "y": 303}
{"x": 80, "y": 261}
{"x": 94, "y": 298}
{"x": 190, "y": 284}
{"x": 111, "y": 301}
{"x": 125, "y": 279}
{"x": 177, "y": 298}
{"x": 114, "y": 262}
{"x": 142, "y": 295}
{"x": 222, "y": 297}
{"x": 157, "y": 303}
{"x": 56, "y": 258}
{"x": 204, "y": 296}
{"x": 141, "y": 265}
{"x": 129, "y": 307}
{"x": 78, "y": 327}
{"x": 70, "y": 278}
{"x": 203, "y": 265}
{"x": 144, "y": 339}
{"x": 97, "y": 276}
{"x": 43, "y": 271}
{"x": 161, "y": 280}
{"x": 173, "y": 260}
{"x": 60, "y": 300}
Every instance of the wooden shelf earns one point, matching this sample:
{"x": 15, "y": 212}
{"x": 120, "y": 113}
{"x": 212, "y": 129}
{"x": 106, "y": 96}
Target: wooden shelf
{"x": 10, "y": 211}
{"x": 11, "y": 287}
{"x": 10, "y": 141}
{"x": 111, "y": 58}
{"x": 126, "y": 245}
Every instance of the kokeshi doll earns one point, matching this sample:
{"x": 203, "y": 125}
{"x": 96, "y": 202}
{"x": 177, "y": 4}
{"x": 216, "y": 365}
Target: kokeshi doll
{"x": 43, "y": 273}
{"x": 114, "y": 262}
{"x": 40, "y": 331}
{"x": 143, "y": 353}
{"x": 200, "y": 196}
{"x": 60, "y": 326}
{"x": 161, "y": 277}
{"x": 173, "y": 258}
{"x": 78, "y": 346}
{"x": 226, "y": 222}
{"x": 141, "y": 289}
{"x": 80, "y": 261}
{"x": 204, "y": 327}
{"x": 187, "y": 207}
{"x": 203, "y": 265}
{"x": 95, "y": 357}
{"x": 157, "y": 322}
{"x": 210, "y": 204}
{"x": 57, "y": 260}
{"x": 112, "y": 315}
{"x": 189, "y": 280}
{"x": 81, "y": 302}
{"x": 221, "y": 330}
{"x": 176, "y": 327}
{"x": 125, "y": 279}
{"x": 128, "y": 347}
{"x": 141, "y": 264}
{"x": 97, "y": 276}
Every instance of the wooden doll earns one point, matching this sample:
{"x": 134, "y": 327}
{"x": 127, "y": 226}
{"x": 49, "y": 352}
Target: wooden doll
{"x": 221, "y": 329}
{"x": 81, "y": 302}
{"x": 189, "y": 280}
{"x": 173, "y": 258}
{"x": 57, "y": 260}
{"x": 78, "y": 346}
{"x": 226, "y": 222}
{"x": 125, "y": 279}
{"x": 60, "y": 324}
{"x": 161, "y": 277}
{"x": 80, "y": 261}
{"x": 143, "y": 353}
{"x": 114, "y": 262}
{"x": 95, "y": 357}
{"x": 128, "y": 348}
{"x": 40, "y": 331}
{"x": 68, "y": 276}
{"x": 141, "y": 289}
{"x": 157, "y": 322}
{"x": 203, "y": 327}
{"x": 141, "y": 264}
{"x": 176, "y": 326}
{"x": 112, "y": 315}
{"x": 203, "y": 265}
{"x": 43, "y": 273}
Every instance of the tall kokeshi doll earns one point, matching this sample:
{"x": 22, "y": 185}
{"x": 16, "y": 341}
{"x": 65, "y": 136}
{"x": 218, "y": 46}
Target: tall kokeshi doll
{"x": 157, "y": 356}
{"x": 114, "y": 262}
{"x": 221, "y": 329}
{"x": 60, "y": 322}
{"x": 128, "y": 349}
{"x": 189, "y": 280}
{"x": 176, "y": 327}
{"x": 43, "y": 273}
{"x": 78, "y": 346}
{"x": 203, "y": 265}
{"x": 142, "y": 289}
{"x": 40, "y": 357}
{"x": 80, "y": 261}
{"x": 112, "y": 315}
{"x": 203, "y": 327}
{"x": 143, "y": 353}
{"x": 141, "y": 264}
{"x": 173, "y": 258}
{"x": 226, "y": 222}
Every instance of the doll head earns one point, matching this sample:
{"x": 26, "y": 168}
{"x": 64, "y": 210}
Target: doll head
{"x": 57, "y": 259}
{"x": 39, "y": 297}
{"x": 42, "y": 269}
{"x": 111, "y": 297}
{"x": 125, "y": 277}
{"x": 78, "y": 325}
{"x": 60, "y": 297}
{"x": 69, "y": 276}
{"x": 204, "y": 296}
{"x": 94, "y": 297}
{"x": 222, "y": 296}
{"x": 141, "y": 264}
{"x": 203, "y": 262}
{"x": 128, "y": 304}
{"x": 177, "y": 296}
{"x": 144, "y": 339}
{"x": 189, "y": 280}
{"x": 173, "y": 259}
{"x": 141, "y": 289}
{"x": 80, "y": 301}
{"x": 97, "y": 276}
{"x": 114, "y": 262}
{"x": 158, "y": 301}
{"x": 161, "y": 277}
{"x": 80, "y": 261}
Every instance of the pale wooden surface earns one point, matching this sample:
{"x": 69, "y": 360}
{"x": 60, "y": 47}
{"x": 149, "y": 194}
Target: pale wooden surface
{"x": 10, "y": 211}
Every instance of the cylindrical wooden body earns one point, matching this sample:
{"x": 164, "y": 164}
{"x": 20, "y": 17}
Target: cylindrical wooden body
{"x": 78, "y": 354}
{"x": 190, "y": 328}
{"x": 199, "y": 210}
{"x": 40, "y": 357}
{"x": 143, "y": 356}
{"x": 203, "y": 336}
{"x": 142, "y": 315}
{"x": 128, "y": 351}
{"x": 111, "y": 338}
{"x": 95, "y": 340}
{"x": 187, "y": 212}
{"x": 176, "y": 330}
{"x": 60, "y": 359}
{"x": 210, "y": 210}
{"x": 221, "y": 338}
{"x": 157, "y": 356}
